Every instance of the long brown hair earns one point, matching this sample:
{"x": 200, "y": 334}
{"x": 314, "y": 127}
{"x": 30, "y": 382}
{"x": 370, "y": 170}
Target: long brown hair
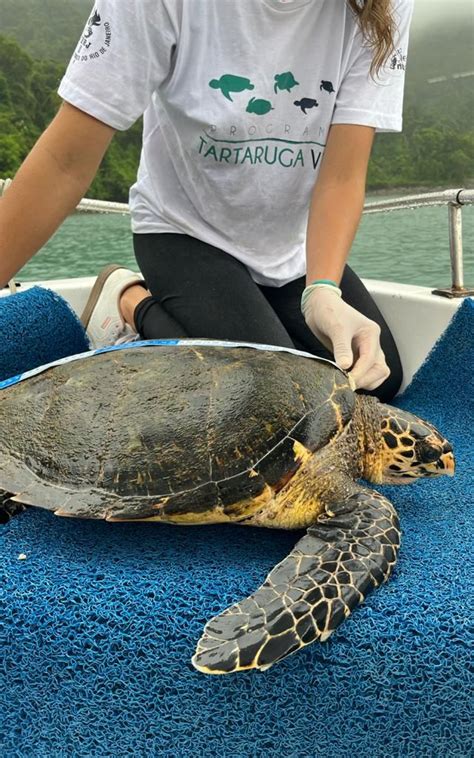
{"x": 377, "y": 24}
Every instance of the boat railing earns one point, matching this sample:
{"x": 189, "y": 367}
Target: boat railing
{"x": 453, "y": 199}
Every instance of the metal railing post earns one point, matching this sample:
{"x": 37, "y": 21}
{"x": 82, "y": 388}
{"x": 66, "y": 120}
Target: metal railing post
{"x": 457, "y": 288}
{"x": 456, "y": 244}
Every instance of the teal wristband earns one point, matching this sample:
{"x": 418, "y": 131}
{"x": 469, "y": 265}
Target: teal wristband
{"x": 325, "y": 281}
{"x": 319, "y": 283}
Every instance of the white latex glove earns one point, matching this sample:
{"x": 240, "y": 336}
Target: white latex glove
{"x": 350, "y": 336}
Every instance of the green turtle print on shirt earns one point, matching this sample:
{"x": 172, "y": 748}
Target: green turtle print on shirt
{"x": 229, "y": 83}
{"x": 285, "y": 81}
{"x": 260, "y": 107}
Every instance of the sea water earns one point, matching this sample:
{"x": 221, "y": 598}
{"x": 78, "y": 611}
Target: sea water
{"x": 410, "y": 246}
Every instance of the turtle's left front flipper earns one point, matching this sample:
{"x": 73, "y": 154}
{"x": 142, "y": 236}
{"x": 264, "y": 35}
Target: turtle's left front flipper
{"x": 350, "y": 550}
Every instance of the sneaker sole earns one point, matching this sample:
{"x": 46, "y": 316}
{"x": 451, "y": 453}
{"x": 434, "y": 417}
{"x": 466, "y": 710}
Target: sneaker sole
{"x": 96, "y": 292}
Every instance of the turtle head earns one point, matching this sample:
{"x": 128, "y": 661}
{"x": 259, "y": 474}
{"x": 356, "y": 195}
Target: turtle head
{"x": 403, "y": 447}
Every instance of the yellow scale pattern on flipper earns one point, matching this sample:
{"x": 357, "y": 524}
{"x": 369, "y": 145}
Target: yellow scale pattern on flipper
{"x": 308, "y": 594}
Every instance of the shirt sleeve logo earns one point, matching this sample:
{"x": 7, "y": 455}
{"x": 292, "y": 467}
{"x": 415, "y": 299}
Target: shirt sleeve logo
{"x": 94, "y": 20}
{"x": 95, "y": 41}
{"x": 398, "y": 61}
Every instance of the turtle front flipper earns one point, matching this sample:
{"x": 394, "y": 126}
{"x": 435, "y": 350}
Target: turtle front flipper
{"x": 350, "y": 550}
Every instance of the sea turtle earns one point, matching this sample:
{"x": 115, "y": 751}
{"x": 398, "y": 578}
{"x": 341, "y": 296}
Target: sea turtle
{"x": 201, "y": 433}
{"x": 327, "y": 86}
{"x": 285, "y": 81}
{"x": 306, "y": 103}
{"x": 260, "y": 107}
{"x": 229, "y": 83}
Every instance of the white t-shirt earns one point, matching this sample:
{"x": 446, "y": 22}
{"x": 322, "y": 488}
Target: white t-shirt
{"x": 237, "y": 98}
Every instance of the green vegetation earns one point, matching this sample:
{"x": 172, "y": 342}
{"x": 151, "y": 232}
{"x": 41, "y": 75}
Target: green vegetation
{"x": 45, "y": 28}
{"x": 435, "y": 148}
{"x": 28, "y": 102}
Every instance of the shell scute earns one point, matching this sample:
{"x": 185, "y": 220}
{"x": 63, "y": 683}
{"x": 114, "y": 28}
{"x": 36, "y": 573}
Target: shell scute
{"x": 236, "y": 488}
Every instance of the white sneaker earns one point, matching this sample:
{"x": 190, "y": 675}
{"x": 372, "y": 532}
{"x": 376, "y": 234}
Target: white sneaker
{"x": 101, "y": 318}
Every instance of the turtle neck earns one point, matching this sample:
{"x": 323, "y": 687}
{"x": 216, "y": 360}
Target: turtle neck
{"x": 286, "y": 5}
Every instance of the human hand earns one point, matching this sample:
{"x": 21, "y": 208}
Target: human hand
{"x": 351, "y": 337}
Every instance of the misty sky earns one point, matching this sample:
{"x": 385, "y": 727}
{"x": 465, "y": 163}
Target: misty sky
{"x": 425, "y": 10}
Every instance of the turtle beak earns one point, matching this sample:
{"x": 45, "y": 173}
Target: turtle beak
{"x": 447, "y": 462}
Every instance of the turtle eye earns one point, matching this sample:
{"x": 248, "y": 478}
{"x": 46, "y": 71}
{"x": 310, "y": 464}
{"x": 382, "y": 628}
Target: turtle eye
{"x": 427, "y": 453}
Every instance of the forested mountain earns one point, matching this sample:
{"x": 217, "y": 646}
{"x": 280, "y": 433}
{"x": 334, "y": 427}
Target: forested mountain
{"x": 45, "y": 28}
{"x": 38, "y": 37}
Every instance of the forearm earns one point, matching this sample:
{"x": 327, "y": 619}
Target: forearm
{"x": 48, "y": 186}
{"x": 38, "y": 201}
{"x": 334, "y": 217}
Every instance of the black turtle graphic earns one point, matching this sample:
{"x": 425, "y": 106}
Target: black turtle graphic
{"x": 305, "y": 103}
{"x": 327, "y": 86}
{"x": 94, "y": 20}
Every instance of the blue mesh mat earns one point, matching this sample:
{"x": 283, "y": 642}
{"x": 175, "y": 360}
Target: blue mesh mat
{"x": 100, "y": 622}
{"x": 25, "y": 319}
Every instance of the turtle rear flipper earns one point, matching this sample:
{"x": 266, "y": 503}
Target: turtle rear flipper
{"x": 348, "y": 552}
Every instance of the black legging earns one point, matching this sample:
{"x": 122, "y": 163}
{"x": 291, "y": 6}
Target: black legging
{"x": 201, "y": 291}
